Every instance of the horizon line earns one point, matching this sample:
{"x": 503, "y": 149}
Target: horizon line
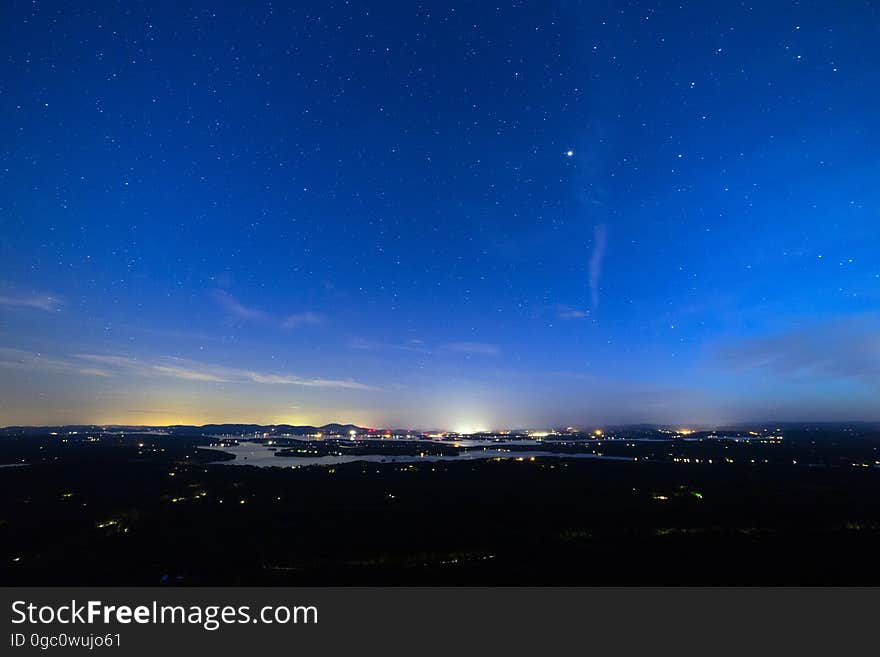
{"x": 660, "y": 425}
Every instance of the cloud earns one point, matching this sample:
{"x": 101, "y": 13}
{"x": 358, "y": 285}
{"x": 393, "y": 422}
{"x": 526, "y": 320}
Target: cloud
{"x": 571, "y": 313}
{"x": 419, "y": 347}
{"x": 600, "y": 239}
{"x": 94, "y": 371}
{"x": 111, "y": 361}
{"x": 174, "y": 334}
{"x": 847, "y": 348}
{"x": 18, "y": 359}
{"x": 233, "y": 307}
{"x": 477, "y": 348}
{"x": 303, "y": 318}
{"x": 415, "y": 346}
{"x": 187, "y": 374}
{"x": 172, "y": 368}
{"x": 276, "y": 379}
{"x": 188, "y": 370}
{"x": 143, "y": 411}
{"x": 44, "y": 302}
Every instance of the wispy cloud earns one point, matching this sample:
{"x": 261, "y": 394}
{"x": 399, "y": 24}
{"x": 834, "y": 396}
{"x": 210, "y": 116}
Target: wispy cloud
{"x": 276, "y": 379}
{"x": 45, "y": 302}
{"x": 300, "y": 319}
{"x": 111, "y": 361}
{"x": 565, "y": 312}
{"x": 415, "y": 346}
{"x": 175, "y": 368}
{"x": 600, "y": 239}
{"x": 419, "y": 347}
{"x": 843, "y": 349}
{"x": 27, "y": 361}
{"x": 188, "y": 370}
{"x": 143, "y": 411}
{"x": 109, "y": 365}
{"x": 187, "y": 374}
{"x": 174, "y": 334}
{"x": 94, "y": 371}
{"x": 237, "y": 309}
{"x": 476, "y": 348}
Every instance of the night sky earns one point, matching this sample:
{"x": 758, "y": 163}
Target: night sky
{"x": 439, "y": 215}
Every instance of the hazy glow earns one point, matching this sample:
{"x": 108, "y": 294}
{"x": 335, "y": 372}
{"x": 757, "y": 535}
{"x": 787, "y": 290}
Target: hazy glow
{"x": 466, "y": 429}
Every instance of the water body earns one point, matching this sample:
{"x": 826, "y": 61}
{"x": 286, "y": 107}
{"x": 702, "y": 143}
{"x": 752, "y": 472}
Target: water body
{"x": 264, "y": 457}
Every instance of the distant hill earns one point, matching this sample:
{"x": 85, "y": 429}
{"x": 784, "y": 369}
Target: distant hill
{"x": 186, "y": 429}
{"x": 244, "y": 429}
{"x": 233, "y": 429}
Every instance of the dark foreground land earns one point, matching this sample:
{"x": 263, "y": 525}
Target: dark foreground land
{"x": 149, "y": 510}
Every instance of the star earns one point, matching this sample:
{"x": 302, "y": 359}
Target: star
{"x": 569, "y": 153}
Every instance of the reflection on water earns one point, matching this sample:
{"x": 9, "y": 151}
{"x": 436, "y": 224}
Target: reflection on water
{"x": 262, "y": 456}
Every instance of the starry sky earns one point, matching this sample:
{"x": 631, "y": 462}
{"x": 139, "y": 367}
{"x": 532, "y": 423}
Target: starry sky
{"x": 439, "y": 215}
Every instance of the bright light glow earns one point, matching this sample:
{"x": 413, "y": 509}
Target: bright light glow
{"x": 467, "y": 429}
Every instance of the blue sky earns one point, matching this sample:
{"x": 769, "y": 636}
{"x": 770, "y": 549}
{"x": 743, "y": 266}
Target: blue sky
{"x": 486, "y": 215}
